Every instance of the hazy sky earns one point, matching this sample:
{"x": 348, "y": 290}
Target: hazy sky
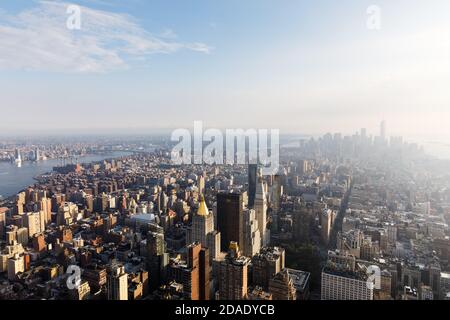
{"x": 301, "y": 66}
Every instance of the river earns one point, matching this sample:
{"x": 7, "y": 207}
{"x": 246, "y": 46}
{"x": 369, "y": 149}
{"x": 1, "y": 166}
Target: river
{"x": 13, "y": 179}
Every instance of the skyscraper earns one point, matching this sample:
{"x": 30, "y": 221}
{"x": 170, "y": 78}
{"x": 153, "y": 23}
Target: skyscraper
{"x": 230, "y": 218}
{"x": 3, "y": 212}
{"x": 266, "y": 265}
{"x": 117, "y": 284}
{"x": 252, "y": 179}
{"x": 15, "y": 265}
{"x": 45, "y": 205}
{"x": 233, "y": 275}
{"x": 252, "y": 236}
{"x": 202, "y": 230}
{"x": 204, "y": 274}
{"x": 202, "y": 224}
{"x": 338, "y": 284}
{"x": 277, "y": 191}
{"x": 37, "y": 155}
{"x": 157, "y": 258}
{"x": 281, "y": 286}
{"x": 303, "y": 166}
{"x": 191, "y": 277}
{"x": 261, "y": 213}
{"x": 34, "y": 221}
{"x": 201, "y": 184}
{"x": 194, "y": 273}
{"x": 17, "y": 156}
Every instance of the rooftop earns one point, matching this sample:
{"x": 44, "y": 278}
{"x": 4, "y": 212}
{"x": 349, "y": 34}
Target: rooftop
{"x": 300, "y": 278}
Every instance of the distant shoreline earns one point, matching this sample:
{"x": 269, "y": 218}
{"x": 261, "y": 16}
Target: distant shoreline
{"x": 48, "y": 170}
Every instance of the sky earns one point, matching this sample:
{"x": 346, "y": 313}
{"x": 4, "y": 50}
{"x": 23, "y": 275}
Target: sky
{"x": 306, "y": 67}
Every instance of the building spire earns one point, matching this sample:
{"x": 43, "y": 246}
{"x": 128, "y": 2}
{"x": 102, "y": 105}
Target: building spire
{"x": 202, "y": 208}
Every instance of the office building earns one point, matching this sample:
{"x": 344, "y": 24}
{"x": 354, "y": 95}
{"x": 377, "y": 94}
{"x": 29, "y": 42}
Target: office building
{"x": 277, "y": 192}
{"x": 233, "y": 275}
{"x": 281, "y": 286}
{"x": 196, "y": 274}
{"x": 341, "y": 284}
{"x": 15, "y": 265}
{"x": 260, "y": 207}
{"x": 117, "y": 285}
{"x": 301, "y": 281}
{"x": 82, "y": 292}
{"x": 230, "y": 219}
{"x": 342, "y": 260}
{"x": 34, "y": 222}
{"x": 204, "y": 274}
{"x": 202, "y": 230}
{"x": 191, "y": 274}
{"x": 350, "y": 242}
{"x": 252, "y": 237}
{"x": 96, "y": 276}
{"x": 157, "y": 258}
{"x": 252, "y": 180}
{"x": 266, "y": 264}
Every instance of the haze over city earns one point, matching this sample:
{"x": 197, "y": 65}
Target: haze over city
{"x": 302, "y": 67}
{"x": 224, "y": 151}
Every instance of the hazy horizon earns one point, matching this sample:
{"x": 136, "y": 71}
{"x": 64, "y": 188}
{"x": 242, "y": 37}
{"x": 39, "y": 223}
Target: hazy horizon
{"x": 301, "y": 67}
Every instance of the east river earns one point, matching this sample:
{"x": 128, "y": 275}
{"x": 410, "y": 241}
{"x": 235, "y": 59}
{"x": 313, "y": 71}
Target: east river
{"x": 14, "y": 178}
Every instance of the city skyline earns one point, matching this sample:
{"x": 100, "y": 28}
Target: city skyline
{"x": 237, "y": 153}
{"x": 343, "y": 218}
{"x": 299, "y": 67}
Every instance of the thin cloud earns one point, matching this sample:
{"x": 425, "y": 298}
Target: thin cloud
{"x": 38, "y": 39}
